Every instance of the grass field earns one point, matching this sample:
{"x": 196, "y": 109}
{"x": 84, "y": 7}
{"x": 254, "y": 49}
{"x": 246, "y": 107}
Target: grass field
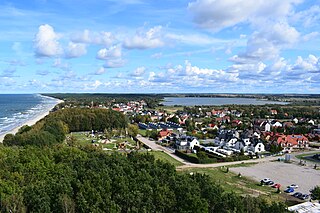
{"x": 165, "y": 157}
{"x": 302, "y": 156}
{"x": 83, "y": 139}
{"x": 142, "y": 132}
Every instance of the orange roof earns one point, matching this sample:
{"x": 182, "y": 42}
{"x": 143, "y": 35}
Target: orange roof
{"x": 164, "y": 133}
{"x": 291, "y": 139}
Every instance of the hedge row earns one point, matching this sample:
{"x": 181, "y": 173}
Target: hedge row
{"x": 187, "y": 157}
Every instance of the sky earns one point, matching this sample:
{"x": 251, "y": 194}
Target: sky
{"x": 167, "y": 46}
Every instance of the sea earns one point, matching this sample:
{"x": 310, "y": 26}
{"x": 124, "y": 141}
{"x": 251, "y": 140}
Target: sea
{"x": 17, "y": 109}
{"x": 215, "y": 101}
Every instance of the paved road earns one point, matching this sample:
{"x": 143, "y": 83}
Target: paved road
{"x": 152, "y": 145}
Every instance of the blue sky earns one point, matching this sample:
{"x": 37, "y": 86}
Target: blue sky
{"x": 171, "y": 46}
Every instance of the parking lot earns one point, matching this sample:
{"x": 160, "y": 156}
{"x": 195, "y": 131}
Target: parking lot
{"x": 283, "y": 173}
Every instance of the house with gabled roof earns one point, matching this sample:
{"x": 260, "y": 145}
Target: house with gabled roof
{"x": 289, "y": 142}
{"x": 163, "y": 134}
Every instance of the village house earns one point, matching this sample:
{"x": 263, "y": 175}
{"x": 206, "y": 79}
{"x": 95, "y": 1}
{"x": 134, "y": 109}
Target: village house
{"x": 274, "y": 112}
{"x": 164, "y": 134}
{"x": 290, "y": 142}
{"x": 248, "y": 142}
{"x": 276, "y": 124}
{"x": 186, "y": 143}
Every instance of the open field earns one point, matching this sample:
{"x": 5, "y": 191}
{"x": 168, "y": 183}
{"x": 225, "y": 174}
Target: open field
{"x": 83, "y": 138}
{"x": 284, "y": 173}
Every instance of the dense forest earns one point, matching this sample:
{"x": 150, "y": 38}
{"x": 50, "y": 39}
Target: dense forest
{"x": 82, "y": 99}
{"x": 260, "y": 112}
{"x": 53, "y": 128}
{"x": 41, "y": 173}
{"x": 86, "y": 179}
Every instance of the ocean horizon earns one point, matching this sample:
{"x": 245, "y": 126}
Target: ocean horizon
{"x": 17, "y": 109}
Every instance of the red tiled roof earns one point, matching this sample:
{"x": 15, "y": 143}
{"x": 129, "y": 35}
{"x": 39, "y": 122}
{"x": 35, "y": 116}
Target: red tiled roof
{"x": 164, "y": 133}
{"x": 293, "y": 140}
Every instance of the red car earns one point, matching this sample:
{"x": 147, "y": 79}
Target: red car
{"x": 276, "y": 185}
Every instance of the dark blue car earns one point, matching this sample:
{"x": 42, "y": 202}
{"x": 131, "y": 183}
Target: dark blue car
{"x": 289, "y": 190}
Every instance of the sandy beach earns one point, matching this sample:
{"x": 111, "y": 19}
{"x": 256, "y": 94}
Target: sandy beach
{"x": 30, "y": 122}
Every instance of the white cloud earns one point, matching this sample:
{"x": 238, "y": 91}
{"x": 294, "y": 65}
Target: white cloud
{"x": 267, "y": 43}
{"x": 111, "y": 53}
{"x": 75, "y": 50}
{"x": 100, "y": 71}
{"x": 46, "y": 42}
{"x": 309, "y": 17}
{"x": 17, "y": 48}
{"x": 112, "y": 56}
{"x": 275, "y": 69}
{"x": 220, "y": 14}
{"x": 138, "y": 72}
{"x": 254, "y": 67}
{"x": 310, "y": 64}
{"x": 189, "y": 75}
{"x": 145, "y": 40}
{"x": 280, "y": 33}
{"x": 114, "y": 63}
{"x": 93, "y": 86}
{"x": 209, "y": 73}
{"x": 195, "y": 39}
{"x": 99, "y": 38}
{"x": 156, "y": 55}
{"x": 7, "y": 81}
{"x": 58, "y": 63}
{"x": 310, "y": 36}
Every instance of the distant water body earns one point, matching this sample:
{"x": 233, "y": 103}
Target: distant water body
{"x": 201, "y": 101}
{"x": 16, "y": 109}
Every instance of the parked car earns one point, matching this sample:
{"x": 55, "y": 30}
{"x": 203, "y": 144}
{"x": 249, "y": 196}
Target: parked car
{"x": 269, "y": 183}
{"x": 297, "y": 194}
{"x": 289, "y": 190}
{"x": 276, "y": 185}
{"x": 265, "y": 180}
{"x": 304, "y": 197}
{"x": 295, "y": 186}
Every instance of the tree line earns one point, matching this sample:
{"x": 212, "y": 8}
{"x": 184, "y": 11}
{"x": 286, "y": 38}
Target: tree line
{"x": 68, "y": 179}
{"x": 53, "y": 128}
{"x": 39, "y": 173}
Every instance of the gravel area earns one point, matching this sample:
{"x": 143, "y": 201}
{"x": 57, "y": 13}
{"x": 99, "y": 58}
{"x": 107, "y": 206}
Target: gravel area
{"x": 284, "y": 173}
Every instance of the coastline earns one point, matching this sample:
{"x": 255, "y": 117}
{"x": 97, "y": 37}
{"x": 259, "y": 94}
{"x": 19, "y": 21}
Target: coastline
{"x": 31, "y": 121}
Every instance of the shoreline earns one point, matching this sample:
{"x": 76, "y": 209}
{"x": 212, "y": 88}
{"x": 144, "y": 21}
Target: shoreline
{"x": 31, "y": 121}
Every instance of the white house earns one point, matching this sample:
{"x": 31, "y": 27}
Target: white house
{"x": 193, "y": 143}
{"x": 231, "y": 142}
{"x": 267, "y": 127}
{"x": 258, "y": 147}
{"x": 277, "y": 124}
{"x": 257, "y": 135}
{"x": 311, "y": 122}
{"x": 187, "y": 142}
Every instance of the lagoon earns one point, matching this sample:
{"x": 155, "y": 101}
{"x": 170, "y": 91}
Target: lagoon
{"x": 215, "y": 101}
